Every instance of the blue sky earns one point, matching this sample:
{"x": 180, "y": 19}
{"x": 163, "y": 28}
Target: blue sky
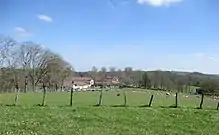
{"x": 144, "y": 34}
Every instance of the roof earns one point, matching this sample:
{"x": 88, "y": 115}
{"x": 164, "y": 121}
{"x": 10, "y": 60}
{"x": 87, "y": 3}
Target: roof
{"x": 106, "y": 78}
{"x": 81, "y": 81}
{"x": 80, "y": 78}
{"x": 109, "y": 80}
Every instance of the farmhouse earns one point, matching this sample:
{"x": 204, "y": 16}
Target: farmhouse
{"x": 79, "y": 83}
{"x": 87, "y": 83}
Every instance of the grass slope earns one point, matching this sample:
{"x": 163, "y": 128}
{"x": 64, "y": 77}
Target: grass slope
{"x": 85, "y": 119}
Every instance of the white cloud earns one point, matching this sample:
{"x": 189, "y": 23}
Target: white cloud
{"x": 22, "y": 32}
{"x": 45, "y": 18}
{"x": 158, "y": 3}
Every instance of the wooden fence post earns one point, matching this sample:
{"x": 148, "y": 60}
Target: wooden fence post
{"x": 202, "y": 100}
{"x": 149, "y": 105}
{"x": 218, "y": 106}
{"x": 17, "y": 95}
{"x": 176, "y": 101}
{"x": 100, "y": 98}
{"x": 44, "y": 94}
{"x": 25, "y": 84}
{"x": 125, "y": 99}
{"x": 71, "y": 98}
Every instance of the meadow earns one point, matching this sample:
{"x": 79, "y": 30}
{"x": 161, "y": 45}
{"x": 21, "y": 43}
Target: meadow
{"x": 84, "y": 118}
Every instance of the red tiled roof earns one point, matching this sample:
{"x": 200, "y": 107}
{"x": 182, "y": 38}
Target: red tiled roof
{"x": 80, "y": 78}
{"x": 77, "y": 80}
{"x": 81, "y": 83}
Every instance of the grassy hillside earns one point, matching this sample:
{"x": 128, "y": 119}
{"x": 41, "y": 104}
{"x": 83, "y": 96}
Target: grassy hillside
{"x": 57, "y": 118}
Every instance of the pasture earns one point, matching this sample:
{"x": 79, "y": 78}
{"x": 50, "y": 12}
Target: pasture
{"x": 84, "y": 118}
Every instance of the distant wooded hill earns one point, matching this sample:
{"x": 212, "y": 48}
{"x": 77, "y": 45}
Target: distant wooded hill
{"x": 165, "y": 80}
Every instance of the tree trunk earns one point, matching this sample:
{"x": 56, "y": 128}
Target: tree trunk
{"x": 155, "y": 85}
{"x": 161, "y": 83}
{"x": 33, "y": 86}
{"x": 146, "y": 85}
{"x": 33, "y": 77}
{"x": 62, "y": 85}
{"x": 56, "y": 86}
{"x": 189, "y": 87}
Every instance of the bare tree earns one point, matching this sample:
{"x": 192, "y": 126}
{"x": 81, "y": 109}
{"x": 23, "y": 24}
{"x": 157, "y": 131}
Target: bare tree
{"x": 94, "y": 73}
{"x": 94, "y": 69}
{"x": 127, "y": 75}
{"x": 112, "y": 71}
{"x": 58, "y": 71}
{"x": 37, "y": 62}
{"x": 67, "y": 72}
{"x": 34, "y": 59}
{"x": 5, "y": 45}
{"x": 146, "y": 81}
{"x": 10, "y": 61}
{"x": 24, "y": 63}
{"x": 103, "y": 70}
{"x": 103, "y": 74}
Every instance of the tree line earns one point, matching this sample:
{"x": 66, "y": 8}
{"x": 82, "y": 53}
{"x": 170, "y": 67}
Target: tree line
{"x": 160, "y": 80}
{"x": 27, "y": 66}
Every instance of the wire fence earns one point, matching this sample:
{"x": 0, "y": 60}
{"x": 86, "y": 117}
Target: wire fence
{"x": 116, "y": 97}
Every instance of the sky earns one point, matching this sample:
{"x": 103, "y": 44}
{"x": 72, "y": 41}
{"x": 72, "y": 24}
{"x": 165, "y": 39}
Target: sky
{"x": 179, "y": 35}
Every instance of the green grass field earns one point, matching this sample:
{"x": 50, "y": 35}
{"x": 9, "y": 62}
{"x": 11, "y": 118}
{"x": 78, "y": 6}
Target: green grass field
{"x": 83, "y": 118}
